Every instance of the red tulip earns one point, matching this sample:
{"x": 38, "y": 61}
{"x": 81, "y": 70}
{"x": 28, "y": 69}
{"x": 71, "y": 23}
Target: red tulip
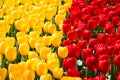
{"x": 87, "y": 34}
{"x": 82, "y": 44}
{"x": 66, "y": 42}
{"x": 117, "y": 61}
{"x": 104, "y": 64}
{"x": 86, "y": 53}
{"x": 89, "y": 79}
{"x": 109, "y": 27}
{"x": 73, "y": 72}
{"x": 93, "y": 42}
{"x": 91, "y": 62}
{"x": 92, "y": 24}
{"x": 118, "y": 76}
{"x": 100, "y": 77}
{"x": 102, "y": 38}
{"x": 72, "y": 35}
{"x": 69, "y": 63}
{"x": 66, "y": 28}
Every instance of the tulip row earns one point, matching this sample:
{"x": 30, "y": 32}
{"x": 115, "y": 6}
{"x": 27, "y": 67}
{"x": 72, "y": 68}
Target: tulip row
{"x": 93, "y": 37}
{"x": 30, "y": 39}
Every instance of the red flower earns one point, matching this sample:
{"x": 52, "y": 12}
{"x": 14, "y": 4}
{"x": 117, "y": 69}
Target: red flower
{"x": 100, "y": 49}
{"x": 118, "y": 76}
{"x": 92, "y": 24}
{"x": 110, "y": 50}
{"x": 87, "y": 53}
{"x": 89, "y": 79}
{"x": 117, "y": 61}
{"x": 72, "y": 35}
{"x": 102, "y": 38}
{"x": 93, "y": 42}
{"x": 91, "y": 62}
{"x": 66, "y": 28}
{"x": 69, "y": 63}
{"x": 87, "y": 34}
{"x": 100, "y": 77}
{"x": 104, "y": 64}
{"x": 73, "y": 51}
{"x": 109, "y": 27}
{"x": 73, "y": 72}
{"x": 82, "y": 44}
{"x": 66, "y": 42}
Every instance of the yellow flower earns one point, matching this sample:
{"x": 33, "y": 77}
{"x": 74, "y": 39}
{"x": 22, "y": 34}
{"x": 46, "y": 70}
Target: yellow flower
{"x": 59, "y": 19}
{"x": 28, "y": 75}
{"x": 32, "y": 42}
{"x": 38, "y": 47}
{"x": 44, "y": 52}
{"x": 70, "y": 78}
{"x": 49, "y": 16}
{"x": 10, "y": 41}
{"x": 58, "y": 73}
{"x": 20, "y": 34}
{"x": 46, "y": 77}
{"x": 63, "y": 52}
{"x": 53, "y": 64}
{"x": 11, "y": 53}
{"x": 51, "y": 57}
{"x": 3, "y": 46}
{"x": 34, "y": 34}
{"x": 22, "y": 39}
{"x": 38, "y": 28}
{"x": 32, "y": 54}
{"x": 46, "y": 26}
{"x": 16, "y": 75}
{"x": 56, "y": 41}
{"x": 32, "y": 63}
{"x": 41, "y": 68}
{"x": 52, "y": 28}
{"x": 3, "y": 73}
{"x": 47, "y": 40}
{"x": 24, "y": 49}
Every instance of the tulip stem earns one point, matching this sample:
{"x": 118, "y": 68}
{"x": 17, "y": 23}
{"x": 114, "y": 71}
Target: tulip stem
{"x": 86, "y": 75}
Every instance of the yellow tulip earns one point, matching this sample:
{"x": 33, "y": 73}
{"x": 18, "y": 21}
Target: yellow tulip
{"x": 38, "y": 47}
{"x": 56, "y": 41}
{"x": 70, "y": 78}
{"x": 3, "y": 73}
{"x": 19, "y": 24}
{"x": 41, "y": 68}
{"x": 32, "y": 54}
{"x": 34, "y": 34}
{"x": 38, "y": 28}
{"x": 32, "y": 42}
{"x": 47, "y": 40}
{"x": 24, "y": 49}
{"x": 32, "y": 63}
{"x": 53, "y": 64}
{"x": 52, "y": 28}
{"x": 63, "y": 52}
{"x": 22, "y": 39}
{"x": 3, "y": 46}
{"x": 20, "y": 34}
{"x": 46, "y": 26}
{"x": 51, "y": 56}
{"x": 49, "y": 16}
{"x": 58, "y": 34}
{"x": 46, "y": 77}
{"x": 10, "y": 41}
{"x": 11, "y": 53}
{"x": 16, "y": 75}
{"x": 28, "y": 75}
{"x": 12, "y": 68}
{"x": 44, "y": 52}
{"x": 58, "y": 73}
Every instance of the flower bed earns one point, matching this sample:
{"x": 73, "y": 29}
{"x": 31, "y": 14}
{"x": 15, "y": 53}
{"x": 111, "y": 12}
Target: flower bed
{"x": 59, "y": 39}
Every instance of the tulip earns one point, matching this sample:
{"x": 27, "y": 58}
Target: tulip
{"x": 69, "y": 63}
{"x": 82, "y": 44}
{"x": 72, "y": 35}
{"x": 44, "y": 52}
{"x": 92, "y": 63}
{"x": 99, "y": 77}
{"x": 73, "y": 73}
{"x": 41, "y": 68}
{"x": 56, "y": 41}
{"x": 66, "y": 42}
{"x": 28, "y": 75}
{"x": 11, "y": 53}
{"x": 24, "y": 49}
{"x": 16, "y": 75}
{"x": 46, "y": 77}
{"x": 117, "y": 60}
{"x": 38, "y": 46}
{"x": 70, "y": 78}
{"x": 118, "y": 76}
{"x": 3, "y": 73}
{"x": 93, "y": 42}
{"x": 58, "y": 73}
{"x": 63, "y": 52}
{"x": 32, "y": 54}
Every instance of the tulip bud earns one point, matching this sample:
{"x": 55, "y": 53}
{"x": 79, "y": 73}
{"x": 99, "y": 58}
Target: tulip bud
{"x": 3, "y": 73}
{"x": 47, "y": 40}
{"x": 100, "y": 77}
{"x": 11, "y": 53}
{"x": 58, "y": 73}
{"x": 63, "y": 52}
{"x": 24, "y": 49}
{"x": 32, "y": 54}
{"x": 16, "y": 75}
{"x": 46, "y": 77}
{"x": 41, "y": 68}
{"x": 117, "y": 61}
{"x": 69, "y": 63}
{"x": 73, "y": 73}
{"x": 28, "y": 75}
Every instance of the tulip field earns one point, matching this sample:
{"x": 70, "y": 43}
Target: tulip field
{"x": 59, "y": 39}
